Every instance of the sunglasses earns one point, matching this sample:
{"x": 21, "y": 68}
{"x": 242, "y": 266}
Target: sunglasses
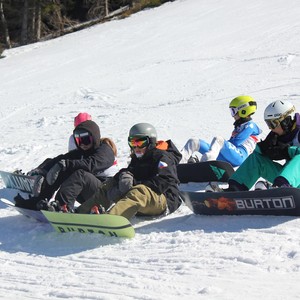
{"x": 138, "y": 142}
{"x": 84, "y": 138}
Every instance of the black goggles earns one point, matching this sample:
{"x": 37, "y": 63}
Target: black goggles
{"x": 83, "y": 138}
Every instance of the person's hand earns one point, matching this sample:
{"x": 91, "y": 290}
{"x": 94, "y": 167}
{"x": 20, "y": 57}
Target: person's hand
{"x": 279, "y": 151}
{"x": 126, "y": 182}
{"x": 35, "y": 172}
{"x": 273, "y": 149}
{"x": 269, "y": 142}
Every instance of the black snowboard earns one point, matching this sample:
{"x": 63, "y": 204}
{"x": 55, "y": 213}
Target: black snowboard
{"x": 205, "y": 171}
{"x": 279, "y": 202}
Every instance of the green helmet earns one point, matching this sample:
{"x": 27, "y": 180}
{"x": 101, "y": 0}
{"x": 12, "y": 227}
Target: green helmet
{"x": 144, "y": 130}
{"x": 245, "y": 106}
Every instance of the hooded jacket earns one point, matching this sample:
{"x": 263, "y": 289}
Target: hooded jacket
{"x": 95, "y": 160}
{"x": 157, "y": 170}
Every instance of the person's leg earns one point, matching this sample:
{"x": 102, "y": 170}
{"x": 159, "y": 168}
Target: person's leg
{"x": 140, "y": 199}
{"x": 255, "y": 166}
{"x": 291, "y": 171}
{"x": 215, "y": 148}
{"x": 189, "y": 148}
{"x": 102, "y": 196}
{"x": 80, "y": 184}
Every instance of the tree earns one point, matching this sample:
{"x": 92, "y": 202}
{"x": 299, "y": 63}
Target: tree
{"x": 4, "y": 25}
{"x": 24, "y": 30}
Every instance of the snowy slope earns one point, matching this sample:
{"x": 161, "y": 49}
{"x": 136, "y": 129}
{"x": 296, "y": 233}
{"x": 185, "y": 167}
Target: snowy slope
{"x": 177, "y": 67}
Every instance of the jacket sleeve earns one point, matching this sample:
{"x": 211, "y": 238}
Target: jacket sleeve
{"x": 100, "y": 160}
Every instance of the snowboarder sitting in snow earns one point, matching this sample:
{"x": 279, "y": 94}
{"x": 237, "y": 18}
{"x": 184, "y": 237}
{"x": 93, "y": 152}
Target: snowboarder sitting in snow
{"x": 81, "y": 117}
{"x": 148, "y": 186}
{"x": 282, "y": 143}
{"x": 90, "y": 160}
{"x": 241, "y": 143}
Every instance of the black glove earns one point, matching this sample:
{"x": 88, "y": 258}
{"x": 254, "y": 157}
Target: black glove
{"x": 126, "y": 182}
{"x": 269, "y": 142}
{"x": 280, "y": 151}
{"x": 273, "y": 149}
{"x": 55, "y": 170}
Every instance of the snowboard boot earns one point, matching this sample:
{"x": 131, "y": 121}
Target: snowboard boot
{"x": 29, "y": 203}
{"x": 54, "y": 206}
{"x": 97, "y": 210}
{"x": 233, "y": 186}
{"x": 213, "y": 187}
{"x": 262, "y": 185}
{"x": 280, "y": 181}
{"x": 193, "y": 159}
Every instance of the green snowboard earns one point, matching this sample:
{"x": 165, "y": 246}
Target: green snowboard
{"x": 109, "y": 225}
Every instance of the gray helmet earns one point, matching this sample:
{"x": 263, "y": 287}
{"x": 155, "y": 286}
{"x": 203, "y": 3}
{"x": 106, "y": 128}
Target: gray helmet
{"x": 143, "y": 129}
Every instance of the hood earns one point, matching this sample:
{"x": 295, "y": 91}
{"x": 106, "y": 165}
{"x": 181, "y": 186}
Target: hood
{"x": 171, "y": 148}
{"x": 93, "y": 129}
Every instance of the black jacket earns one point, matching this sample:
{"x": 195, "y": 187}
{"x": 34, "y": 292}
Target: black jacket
{"x": 157, "y": 170}
{"x": 95, "y": 160}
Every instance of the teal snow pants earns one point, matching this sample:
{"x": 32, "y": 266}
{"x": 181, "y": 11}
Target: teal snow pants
{"x": 257, "y": 165}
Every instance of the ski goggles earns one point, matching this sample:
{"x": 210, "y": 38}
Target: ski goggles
{"x": 233, "y": 111}
{"x": 272, "y": 124}
{"x": 83, "y": 138}
{"x": 142, "y": 142}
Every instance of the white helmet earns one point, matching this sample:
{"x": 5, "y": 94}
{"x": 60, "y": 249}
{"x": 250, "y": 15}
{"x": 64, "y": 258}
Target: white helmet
{"x": 280, "y": 113}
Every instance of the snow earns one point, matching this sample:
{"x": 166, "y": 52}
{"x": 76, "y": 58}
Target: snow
{"x": 176, "y": 66}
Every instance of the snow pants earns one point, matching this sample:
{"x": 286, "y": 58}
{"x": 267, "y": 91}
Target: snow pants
{"x": 140, "y": 199}
{"x": 229, "y": 152}
{"x": 258, "y": 165}
{"x": 79, "y": 186}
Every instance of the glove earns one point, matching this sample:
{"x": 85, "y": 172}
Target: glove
{"x": 126, "y": 181}
{"x": 36, "y": 171}
{"x": 273, "y": 149}
{"x": 269, "y": 142}
{"x": 37, "y": 185}
{"x": 280, "y": 151}
{"x": 53, "y": 173}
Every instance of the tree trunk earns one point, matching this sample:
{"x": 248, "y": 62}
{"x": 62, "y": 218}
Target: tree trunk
{"x": 38, "y": 20}
{"x": 24, "y": 32}
{"x": 106, "y": 8}
{"x": 4, "y": 25}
